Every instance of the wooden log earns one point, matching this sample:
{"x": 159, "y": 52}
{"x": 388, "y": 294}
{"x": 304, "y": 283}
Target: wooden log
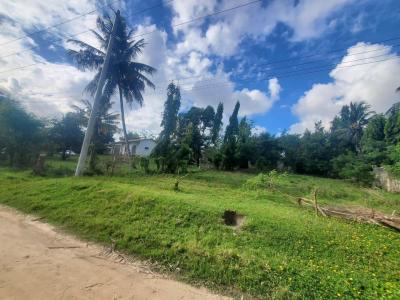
{"x": 390, "y": 224}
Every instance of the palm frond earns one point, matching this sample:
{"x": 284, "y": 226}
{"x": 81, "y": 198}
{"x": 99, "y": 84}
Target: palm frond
{"x": 105, "y": 25}
{"x": 100, "y": 38}
{"x": 87, "y": 47}
{"x": 85, "y": 60}
{"x": 141, "y": 68}
{"x": 109, "y": 88}
{"x": 92, "y": 85}
{"x": 135, "y": 48}
{"x": 124, "y": 72}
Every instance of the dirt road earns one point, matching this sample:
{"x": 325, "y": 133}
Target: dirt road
{"x": 37, "y": 262}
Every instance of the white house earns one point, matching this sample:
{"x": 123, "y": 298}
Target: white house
{"x": 139, "y": 147}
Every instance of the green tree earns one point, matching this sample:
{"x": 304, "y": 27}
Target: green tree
{"x": 267, "y": 151}
{"x": 67, "y": 134}
{"x": 245, "y": 146}
{"x": 392, "y": 127}
{"x": 167, "y": 147}
{"x": 373, "y": 145}
{"x": 126, "y": 75}
{"x": 232, "y": 129}
{"x": 229, "y": 148}
{"x": 20, "y": 133}
{"x": 315, "y": 151}
{"x": 106, "y": 123}
{"x": 170, "y": 114}
{"x": 348, "y": 126}
{"x": 133, "y": 135}
{"x": 191, "y": 123}
{"x": 291, "y": 145}
{"x": 217, "y": 124}
{"x": 353, "y": 167}
{"x": 207, "y": 118}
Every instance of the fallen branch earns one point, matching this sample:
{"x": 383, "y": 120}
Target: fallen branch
{"x": 357, "y": 214}
{"x": 390, "y": 224}
{"x": 63, "y": 247}
{"x": 373, "y": 217}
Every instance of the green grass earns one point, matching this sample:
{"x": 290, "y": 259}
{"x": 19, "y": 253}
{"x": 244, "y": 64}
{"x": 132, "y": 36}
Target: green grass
{"x": 282, "y": 252}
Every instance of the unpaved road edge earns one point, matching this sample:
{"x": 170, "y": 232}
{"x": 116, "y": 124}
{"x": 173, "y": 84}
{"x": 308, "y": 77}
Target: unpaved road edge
{"x": 38, "y": 262}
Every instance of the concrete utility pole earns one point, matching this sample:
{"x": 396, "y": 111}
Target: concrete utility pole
{"x": 99, "y": 92}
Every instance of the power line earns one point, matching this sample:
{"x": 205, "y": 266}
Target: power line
{"x": 203, "y": 17}
{"x": 291, "y": 74}
{"x": 55, "y": 25}
{"x": 297, "y": 65}
{"x": 286, "y": 67}
{"x": 278, "y": 68}
{"x": 215, "y": 13}
{"x": 331, "y": 51}
{"x": 23, "y": 67}
{"x": 77, "y": 17}
{"x": 339, "y": 55}
{"x": 175, "y": 25}
{"x": 143, "y": 34}
{"x": 279, "y": 75}
{"x": 326, "y": 65}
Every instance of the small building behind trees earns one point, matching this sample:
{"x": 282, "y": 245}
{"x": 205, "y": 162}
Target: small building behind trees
{"x": 139, "y": 147}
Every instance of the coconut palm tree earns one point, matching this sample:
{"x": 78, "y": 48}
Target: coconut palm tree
{"x": 351, "y": 121}
{"x": 125, "y": 76}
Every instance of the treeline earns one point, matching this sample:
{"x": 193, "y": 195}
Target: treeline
{"x": 357, "y": 140}
{"x": 23, "y": 136}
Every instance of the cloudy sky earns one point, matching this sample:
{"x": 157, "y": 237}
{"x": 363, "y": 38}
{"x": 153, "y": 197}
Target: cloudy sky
{"x": 290, "y": 63}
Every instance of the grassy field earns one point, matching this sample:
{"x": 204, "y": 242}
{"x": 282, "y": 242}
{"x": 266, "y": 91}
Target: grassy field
{"x": 282, "y": 252}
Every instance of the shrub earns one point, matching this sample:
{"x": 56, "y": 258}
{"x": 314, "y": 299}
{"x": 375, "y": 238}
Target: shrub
{"x": 353, "y": 167}
{"x": 217, "y": 160}
{"x": 264, "y": 180}
{"x": 21, "y": 134}
{"x": 183, "y": 166}
{"x": 144, "y": 164}
{"x": 395, "y": 170}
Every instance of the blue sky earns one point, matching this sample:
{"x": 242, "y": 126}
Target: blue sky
{"x": 228, "y": 57}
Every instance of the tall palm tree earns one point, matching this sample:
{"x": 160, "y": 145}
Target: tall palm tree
{"x": 353, "y": 118}
{"x": 125, "y": 75}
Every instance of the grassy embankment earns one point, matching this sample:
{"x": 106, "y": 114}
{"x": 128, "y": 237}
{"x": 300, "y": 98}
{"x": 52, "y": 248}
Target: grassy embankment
{"x": 282, "y": 251}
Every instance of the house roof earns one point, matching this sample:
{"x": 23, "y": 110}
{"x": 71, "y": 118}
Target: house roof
{"x": 134, "y": 140}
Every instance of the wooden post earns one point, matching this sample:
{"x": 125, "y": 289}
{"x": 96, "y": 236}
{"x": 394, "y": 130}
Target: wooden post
{"x": 99, "y": 91}
{"x": 315, "y": 201}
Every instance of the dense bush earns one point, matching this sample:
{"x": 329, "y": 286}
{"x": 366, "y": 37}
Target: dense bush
{"x": 21, "y": 134}
{"x": 145, "y": 164}
{"x": 268, "y": 180}
{"x": 353, "y": 167}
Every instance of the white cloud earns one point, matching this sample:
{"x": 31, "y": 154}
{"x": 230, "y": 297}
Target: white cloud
{"x": 373, "y": 83}
{"x": 257, "y": 130}
{"x": 50, "y": 88}
{"x": 308, "y": 19}
{"x": 47, "y": 89}
{"x": 148, "y": 117}
{"x": 252, "y": 102}
{"x": 197, "y": 63}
